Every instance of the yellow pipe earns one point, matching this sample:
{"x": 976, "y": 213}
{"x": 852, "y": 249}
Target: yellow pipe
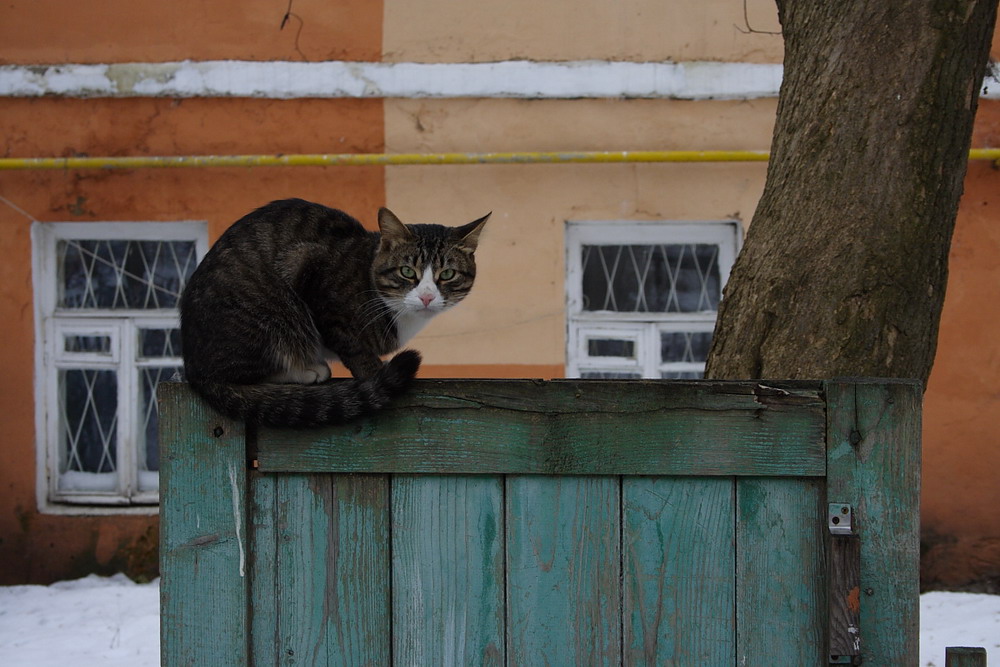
{"x": 359, "y": 159}
{"x": 985, "y": 154}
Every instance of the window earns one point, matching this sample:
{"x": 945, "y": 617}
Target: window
{"x": 643, "y": 296}
{"x": 107, "y": 323}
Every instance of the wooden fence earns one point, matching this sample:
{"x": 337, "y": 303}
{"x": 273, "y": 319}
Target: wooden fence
{"x": 550, "y": 523}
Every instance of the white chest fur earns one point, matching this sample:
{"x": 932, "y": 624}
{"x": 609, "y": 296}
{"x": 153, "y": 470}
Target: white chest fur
{"x": 409, "y": 324}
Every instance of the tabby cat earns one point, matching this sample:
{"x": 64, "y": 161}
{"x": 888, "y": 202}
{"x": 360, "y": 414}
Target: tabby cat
{"x": 295, "y": 284}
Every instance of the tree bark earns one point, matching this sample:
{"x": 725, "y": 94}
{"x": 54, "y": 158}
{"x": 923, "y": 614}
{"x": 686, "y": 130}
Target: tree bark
{"x": 844, "y": 267}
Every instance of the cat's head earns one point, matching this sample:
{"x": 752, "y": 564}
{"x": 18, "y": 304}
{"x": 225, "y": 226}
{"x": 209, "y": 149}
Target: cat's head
{"x": 424, "y": 269}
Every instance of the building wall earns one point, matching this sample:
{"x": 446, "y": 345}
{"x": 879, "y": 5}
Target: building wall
{"x": 516, "y": 314}
{"x": 514, "y": 323}
{"x": 56, "y": 31}
{"x": 960, "y": 510}
{"x": 638, "y": 30}
{"x": 41, "y": 547}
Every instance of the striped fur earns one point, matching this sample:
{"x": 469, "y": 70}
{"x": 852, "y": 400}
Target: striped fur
{"x": 293, "y": 285}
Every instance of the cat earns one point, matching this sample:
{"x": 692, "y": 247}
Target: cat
{"x": 295, "y": 284}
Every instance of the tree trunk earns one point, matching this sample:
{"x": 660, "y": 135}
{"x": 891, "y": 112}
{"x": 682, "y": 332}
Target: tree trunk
{"x": 844, "y": 268}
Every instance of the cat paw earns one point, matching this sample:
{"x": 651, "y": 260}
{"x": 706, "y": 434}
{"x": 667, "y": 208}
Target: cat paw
{"x": 312, "y": 375}
{"x": 320, "y": 373}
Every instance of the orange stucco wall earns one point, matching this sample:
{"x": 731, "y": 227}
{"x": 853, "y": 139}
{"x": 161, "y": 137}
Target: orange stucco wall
{"x": 56, "y": 31}
{"x": 960, "y": 512}
{"x": 38, "y": 547}
{"x": 42, "y": 547}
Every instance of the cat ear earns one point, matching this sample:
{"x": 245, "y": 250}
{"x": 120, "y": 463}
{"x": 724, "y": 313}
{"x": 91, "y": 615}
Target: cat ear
{"x": 393, "y": 230}
{"x": 467, "y": 236}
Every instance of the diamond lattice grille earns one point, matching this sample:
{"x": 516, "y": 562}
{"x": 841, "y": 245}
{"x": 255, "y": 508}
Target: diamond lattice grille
{"x": 89, "y": 409}
{"x": 150, "y": 450}
{"x": 651, "y": 278}
{"x": 157, "y": 343}
{"x": 685, "y": 346}
{"x": 123, "y": 274}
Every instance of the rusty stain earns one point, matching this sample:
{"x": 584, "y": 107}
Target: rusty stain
{"x": 854, "y": 600}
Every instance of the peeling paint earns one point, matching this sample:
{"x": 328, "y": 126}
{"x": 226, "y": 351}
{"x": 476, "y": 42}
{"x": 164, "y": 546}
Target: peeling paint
{"x": 237, "y": 516}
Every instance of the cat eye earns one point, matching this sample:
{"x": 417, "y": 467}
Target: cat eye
{"x": 447, "y": 274}
{"x": 407, "y": 272}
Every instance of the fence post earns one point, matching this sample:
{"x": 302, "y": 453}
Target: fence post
{"x": 203, "y": 539}
{"x": 965, "y": 656}
{"x": 873, "y": 466}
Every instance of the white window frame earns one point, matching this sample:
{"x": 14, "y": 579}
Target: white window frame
{"x": 52, "y": 324}
{"x": 643, "y": 328}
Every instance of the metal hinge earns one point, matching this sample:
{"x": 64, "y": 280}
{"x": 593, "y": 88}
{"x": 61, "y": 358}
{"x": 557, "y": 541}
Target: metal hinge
{"x": 840, "y": 519}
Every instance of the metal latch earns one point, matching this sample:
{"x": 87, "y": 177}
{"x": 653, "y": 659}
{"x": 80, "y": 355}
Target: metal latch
{"x": 839, "y": 519}
{"x": 844, "y": 594}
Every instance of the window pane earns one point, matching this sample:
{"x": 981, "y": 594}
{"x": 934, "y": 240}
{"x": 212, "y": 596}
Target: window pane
{"x": 98, "y": 344}
{"x": 155, "y": 343}
{"x": 685, "y": 345}
{"x": 666, "y": 278}
{"x": 89, "y": 408}
{"x": 609, "y": 375}
{"x": 119, "y": 274}
{"x": 149, "y": 442}
{"x": 608, "y": 347}
{"x": 682, "y": 375}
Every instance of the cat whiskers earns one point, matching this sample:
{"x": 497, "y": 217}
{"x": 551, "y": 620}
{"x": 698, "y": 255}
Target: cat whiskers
{"x": 370, "y": 311}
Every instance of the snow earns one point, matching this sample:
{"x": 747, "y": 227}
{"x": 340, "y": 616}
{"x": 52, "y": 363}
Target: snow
{"x": 106, "y": 621}
{"x": 112, "y": 622}
{"x": 958, "y": 619}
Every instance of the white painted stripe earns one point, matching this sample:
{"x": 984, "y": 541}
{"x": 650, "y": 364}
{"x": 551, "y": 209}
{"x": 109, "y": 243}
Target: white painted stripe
{"x": 340, "y": 79}
{"x": 287, "y": 80}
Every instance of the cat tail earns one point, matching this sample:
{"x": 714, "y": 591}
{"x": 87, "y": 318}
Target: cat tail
{"x": 303, "y": 406}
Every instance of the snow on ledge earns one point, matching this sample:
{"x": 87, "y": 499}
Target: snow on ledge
{"x": 340, "y": 79}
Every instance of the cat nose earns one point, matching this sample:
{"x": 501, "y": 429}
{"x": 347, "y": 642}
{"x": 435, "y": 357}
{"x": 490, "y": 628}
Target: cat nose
{"x": 426, "y": 299}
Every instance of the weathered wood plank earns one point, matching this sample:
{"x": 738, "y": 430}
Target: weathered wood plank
{"x": 874, "y": 466}
{"x": 679, "y": 571}
{"x": 563, "y": 571}
{"x": 845, "y": 597}
{"x": 331, "y": 578}
{"x": 447, "y": 559}
{"x": 780, "y": 572}
{"x": 580, "y": 427}
{"x": 265, "y": 622}
{"x": 203, "y": 538}
{"x": 965, "y": 656}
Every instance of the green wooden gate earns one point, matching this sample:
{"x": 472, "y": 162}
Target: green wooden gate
{"x": 550, "y": 523}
